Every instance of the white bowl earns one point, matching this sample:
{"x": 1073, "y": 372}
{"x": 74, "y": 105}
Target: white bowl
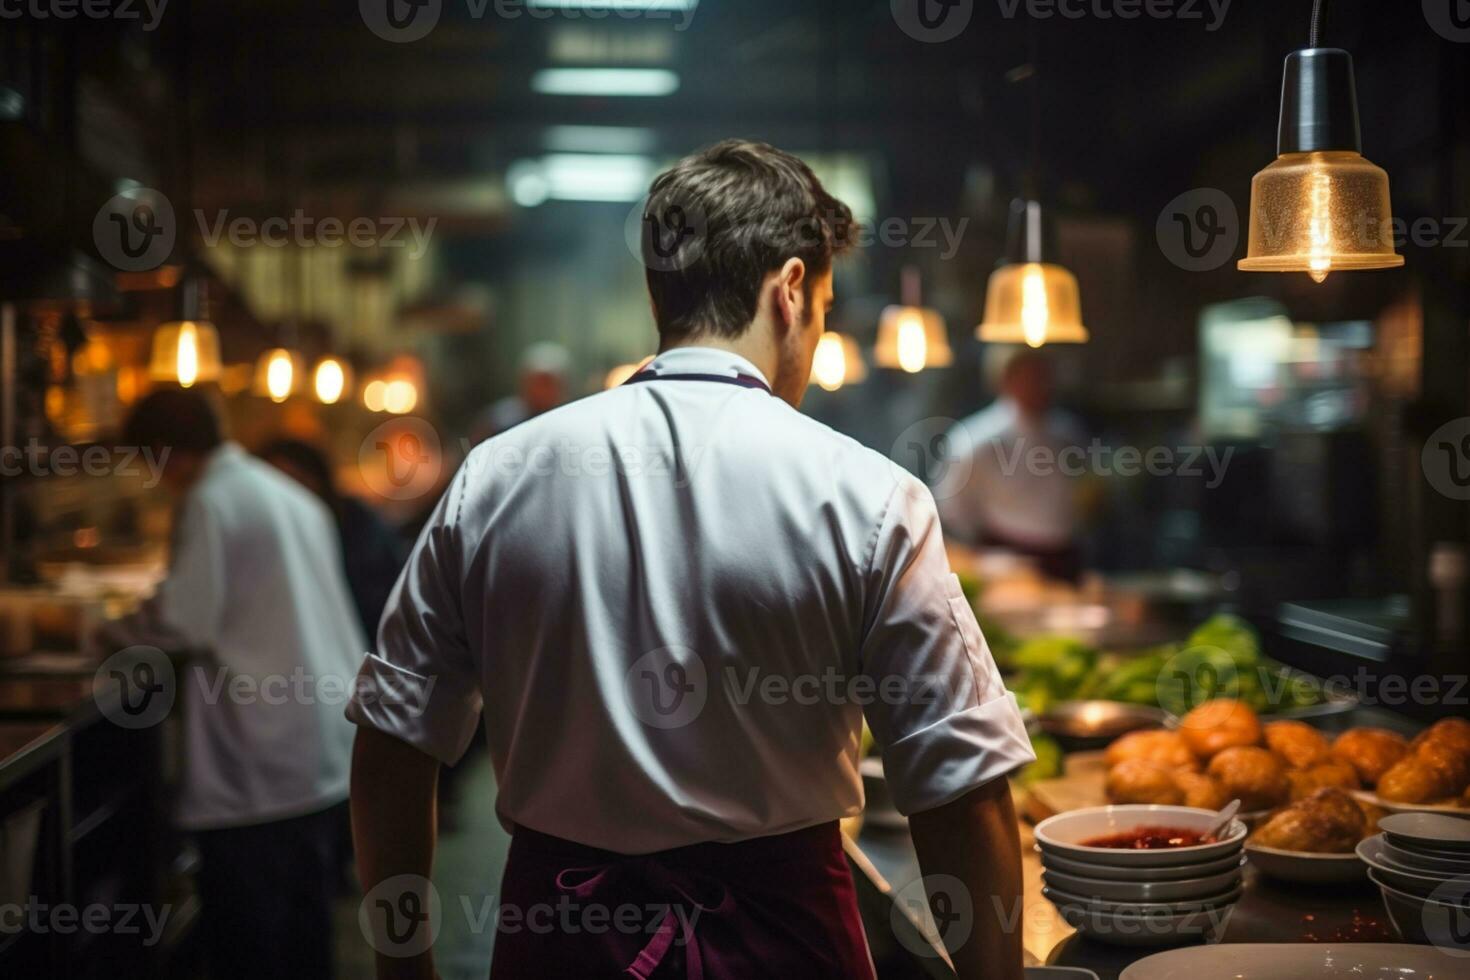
{"x": 1422, "y": 884}
{"x": 1060, "y": 897}
{"x": 1086, "y": 869}
{"x": 1190, "y": 889}
{"x": 1294, "y": 961}
{"x": 1420, "y": 920}
{"x": 1428, "y": 831}
{"x": 1424, "y": 862}
{"x": 1305, "y": 867}
{"x": 1064, "y": 833}
{"x": 1146, "y": 929}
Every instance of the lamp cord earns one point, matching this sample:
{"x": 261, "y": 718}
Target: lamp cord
{"x": 1316, "y": 34}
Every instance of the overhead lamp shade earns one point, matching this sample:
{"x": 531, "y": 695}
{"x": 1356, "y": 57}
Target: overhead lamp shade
{"x": 1034, "y": 303}
{"x": 278, "y": 374}
{"x": 186, "y": 352}
{"x": 838, "y": 361}
{"x": 912, "y": 338}
{"x": 1320, "y": 207}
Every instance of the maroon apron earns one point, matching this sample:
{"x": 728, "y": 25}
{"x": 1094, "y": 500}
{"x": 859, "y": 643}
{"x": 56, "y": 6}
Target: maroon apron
{"x": 780, "y": 906}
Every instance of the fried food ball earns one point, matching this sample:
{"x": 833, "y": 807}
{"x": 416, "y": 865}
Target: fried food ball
{"x": 1200, "y": 790}
{"x": 1141, "y": 781}
{"x": 1301, "y": 745}
{"x": 1454, "y": 764}
{"x": 1452, "y": 733}
{"x": 1418, "y": 778}
{"x": 1162, "y": 748}
{"x": 1332, "y": 774}
{"x": 1327, "y": 822}
{"x": 1370, "y": 751}
{"x": 1254, "y": 775}
{"x": 1218, "y": 725}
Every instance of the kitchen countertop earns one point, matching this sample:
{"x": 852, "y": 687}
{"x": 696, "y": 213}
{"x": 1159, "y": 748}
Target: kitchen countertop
{"x": 1268, "y": 912}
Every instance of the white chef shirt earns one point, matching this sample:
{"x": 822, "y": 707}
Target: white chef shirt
{"x": 676, "y": 600}
{"x": 255, "y": 585}
{"x": 1010, "y": 476}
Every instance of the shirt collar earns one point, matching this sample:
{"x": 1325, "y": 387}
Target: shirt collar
{"x": 224, "y": 454}
{"x": 704, "y": 360}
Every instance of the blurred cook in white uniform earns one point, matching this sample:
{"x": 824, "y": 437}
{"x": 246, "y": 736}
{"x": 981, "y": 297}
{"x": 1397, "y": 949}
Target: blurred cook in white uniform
{"x": 1006, "y": 482}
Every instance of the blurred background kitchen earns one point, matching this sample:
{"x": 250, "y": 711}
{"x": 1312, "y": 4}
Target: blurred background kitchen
{"x": 381, "y": 235}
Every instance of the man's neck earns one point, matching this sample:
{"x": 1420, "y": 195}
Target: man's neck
{"x": 747, "y": 345}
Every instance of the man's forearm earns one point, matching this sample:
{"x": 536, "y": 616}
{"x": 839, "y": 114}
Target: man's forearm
{"x": 975, "y": 839}
{"x": 393, "y": 827}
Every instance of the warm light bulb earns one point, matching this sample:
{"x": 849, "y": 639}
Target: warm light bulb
{"x": 186, "y": 364}
{"x": 279, "y": 374}
{"x": 1035, "y": 311}
{"x": 913, "y": 346}
{"x": 374, "y": 396}
{"x": 400, "y": 397}
{"x": 1320, "y": 228}
{"x": 829, "y": 364}
{"x": 330, "y": 381}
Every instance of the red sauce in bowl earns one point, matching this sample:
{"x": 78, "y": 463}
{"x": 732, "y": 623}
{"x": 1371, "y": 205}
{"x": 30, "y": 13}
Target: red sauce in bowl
{"x": 1151, "y": 839}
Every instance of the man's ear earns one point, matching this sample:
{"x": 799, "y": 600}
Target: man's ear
{"x": 791, "y": 293}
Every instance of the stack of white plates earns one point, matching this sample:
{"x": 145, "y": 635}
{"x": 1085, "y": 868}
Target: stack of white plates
{"x": 1421, "y": 863}
{"x": 1140, "y": 897}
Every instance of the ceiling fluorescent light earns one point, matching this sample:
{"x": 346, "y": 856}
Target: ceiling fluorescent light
{"x": 599, "y": 139}
{"x": 605, "y": 81}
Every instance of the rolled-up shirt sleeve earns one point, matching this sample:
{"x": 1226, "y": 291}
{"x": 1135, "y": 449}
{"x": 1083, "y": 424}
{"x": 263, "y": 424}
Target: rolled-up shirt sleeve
{"x": 421, "y": 684}
{"x": 943, "y": 719}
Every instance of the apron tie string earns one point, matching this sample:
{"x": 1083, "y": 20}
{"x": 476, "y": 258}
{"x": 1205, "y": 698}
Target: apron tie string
{"x": 664, "y": 881}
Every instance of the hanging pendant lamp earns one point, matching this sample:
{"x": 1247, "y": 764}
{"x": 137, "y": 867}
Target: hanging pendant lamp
{"x": 1321, "y": 207}
{"x": 1030, "y": 301}
{"x": 912, "y": 337}
{"x": 186, "y": 350}
{"x": 837, "y": 362}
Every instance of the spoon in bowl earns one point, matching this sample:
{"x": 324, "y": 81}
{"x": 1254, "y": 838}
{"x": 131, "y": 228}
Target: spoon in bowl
{"x": 1223, "y": 818}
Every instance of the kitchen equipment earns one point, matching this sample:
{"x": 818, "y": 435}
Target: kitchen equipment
{"x": 1185, "y": 890}
{"x": 1064, "y": 834}
{"x": 1084, "y": 869}
{"x": 1434, "y": 831}
{"x": 1292, "y": 961}
{"x": 1304, "y": 867}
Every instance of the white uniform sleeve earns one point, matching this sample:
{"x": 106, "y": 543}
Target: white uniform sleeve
{"x": 941, "y": 716}
{"x": 421, "y": 685}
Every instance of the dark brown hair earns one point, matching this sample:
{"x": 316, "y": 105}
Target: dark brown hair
{"x": 718, "y": 222}
{"x": 182, "y": 420}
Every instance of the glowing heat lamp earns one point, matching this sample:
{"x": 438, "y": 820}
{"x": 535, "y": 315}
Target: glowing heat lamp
{"x": 1320, "y": 207}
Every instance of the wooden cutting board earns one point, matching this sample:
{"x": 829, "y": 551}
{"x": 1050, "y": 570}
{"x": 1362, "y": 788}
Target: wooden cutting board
{"x": 1083, "y": 783}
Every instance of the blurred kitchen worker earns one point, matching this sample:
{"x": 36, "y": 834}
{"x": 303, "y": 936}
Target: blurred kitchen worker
{"x": 1007, "y": 480}
{"x": 372, "y": 552}
{"x": 622, "y": 608}
{"x": 255, "y": 589}
{"x": 543, "y": 386}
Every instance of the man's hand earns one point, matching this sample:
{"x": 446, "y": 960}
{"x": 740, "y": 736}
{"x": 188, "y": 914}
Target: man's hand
{"x": 976, "y": 840}
{"x": 393, "y": 826}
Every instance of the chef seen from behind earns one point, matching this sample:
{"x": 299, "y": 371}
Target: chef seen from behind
{"x": 675, "y": 652}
